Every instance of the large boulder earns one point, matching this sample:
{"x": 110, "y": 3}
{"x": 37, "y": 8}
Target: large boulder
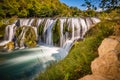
{"x": 94, "y": 77}
{"x": 107, "y": 65}
{"x": 109, "y": 44}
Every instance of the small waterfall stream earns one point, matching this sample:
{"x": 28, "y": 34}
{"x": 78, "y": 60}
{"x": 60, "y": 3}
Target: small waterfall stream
{"x": 27, "y": 63}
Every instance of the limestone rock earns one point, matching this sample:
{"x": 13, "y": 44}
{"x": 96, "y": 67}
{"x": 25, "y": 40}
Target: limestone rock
{"x": 107, "y": 65}
{"x": 107, "y": 45}
{"x": 94, "y": 77}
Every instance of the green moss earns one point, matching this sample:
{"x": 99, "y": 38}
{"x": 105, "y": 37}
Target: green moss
{"x": 12, "y": 20}
{"x": 30, "y": 41}
{"x": 17, "y": 34}
{"x": 41, "y": 28}
{"x": 56, "y": 32}
{"x": 18, "y": 31}
{"x": 10, "y": 46}
{"x": 65, "y": 27}
{"x": 34, "y": 22}
{"x": 77, "y": 63}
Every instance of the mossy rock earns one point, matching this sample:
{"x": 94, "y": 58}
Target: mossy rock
{"x": 30, "y": 37}
{"x": 10, "y": 46}
{"x": 17, "y": 34}
{"x": 41, "y": 27}
{"x": 30, "y": 44}
{"x": 56, "y": 33}
{"x": 34, "y": 23}
{"x": 65, "y": 27}
{"x": 12, "y": 20}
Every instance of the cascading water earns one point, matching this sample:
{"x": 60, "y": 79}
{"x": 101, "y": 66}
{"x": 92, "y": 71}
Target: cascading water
{"x": 9, "y": 35}
{"x": 27, "y": 63}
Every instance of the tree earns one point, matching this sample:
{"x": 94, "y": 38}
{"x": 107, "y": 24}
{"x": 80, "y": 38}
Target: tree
{"x": 109, "y": 4}
{"x": 89, "y": 4}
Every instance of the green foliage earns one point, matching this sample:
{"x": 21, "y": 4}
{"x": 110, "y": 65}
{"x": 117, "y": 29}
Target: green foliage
{"x": 110, "y": 14}
{"x": 89, "y": 13}
{"x": 56, "y": 32}
{"x": 35, "y": 8}
{"x": 2, "y": 30}
{"x": 12, "y": 20}
{"x": 77, "y": 63}
{"x": 89, "y": 4}
{"x": 75, "y": 11}
{"x": 109, "y": 4}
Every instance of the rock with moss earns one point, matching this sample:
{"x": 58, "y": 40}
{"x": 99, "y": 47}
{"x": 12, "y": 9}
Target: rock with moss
{"x": 34, "y": 23}
{"x": 10, "y": 46}
{"x": 41, "y": 29}
{"x": 26, "y": 36}
{"x": 30, "y": 37}
{"x": 56, "y": 33}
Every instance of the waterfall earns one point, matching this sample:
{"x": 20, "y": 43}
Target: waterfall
{"x": 75, "y": 28}
{"x": 88, "y": 22}
{"x": 9, "y": 34}
{"x": 62, "y": 38}
{"x": 49, "y": 33}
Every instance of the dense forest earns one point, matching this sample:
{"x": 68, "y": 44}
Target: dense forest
{"x": 36, "y": 8}
{"x": 50, "y": 8}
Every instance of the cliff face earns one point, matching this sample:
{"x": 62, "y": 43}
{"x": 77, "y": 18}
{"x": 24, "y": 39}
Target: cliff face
{"x": 107, "y": 65}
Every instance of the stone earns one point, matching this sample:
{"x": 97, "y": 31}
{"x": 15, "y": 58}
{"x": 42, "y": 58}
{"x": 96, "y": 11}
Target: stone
{"x": 107, "y": 45}
{"x": 10, "y": 46}
{"x": 94, "y": 77}
{"x": 107, "y": 65}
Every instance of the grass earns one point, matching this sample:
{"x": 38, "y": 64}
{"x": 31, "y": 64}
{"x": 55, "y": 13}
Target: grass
{"x": 77, "y": 62}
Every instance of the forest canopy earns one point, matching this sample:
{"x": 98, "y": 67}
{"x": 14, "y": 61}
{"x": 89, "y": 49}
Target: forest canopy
{"x": 34, "y": 8}
{"x": 50, "y": 8}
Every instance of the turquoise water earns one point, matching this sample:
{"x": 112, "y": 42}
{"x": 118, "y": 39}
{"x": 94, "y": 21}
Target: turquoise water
{"x": 26, "y": 64}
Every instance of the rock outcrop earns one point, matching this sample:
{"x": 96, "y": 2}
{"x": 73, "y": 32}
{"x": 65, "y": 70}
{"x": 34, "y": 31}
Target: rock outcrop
{"x": 107, "y": 65}
{"x": 10, "y": 46}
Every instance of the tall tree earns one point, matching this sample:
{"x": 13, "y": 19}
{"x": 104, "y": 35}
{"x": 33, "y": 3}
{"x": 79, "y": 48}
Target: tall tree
{"x": 89, "y": 4}
{"x": 109, "y": 4}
